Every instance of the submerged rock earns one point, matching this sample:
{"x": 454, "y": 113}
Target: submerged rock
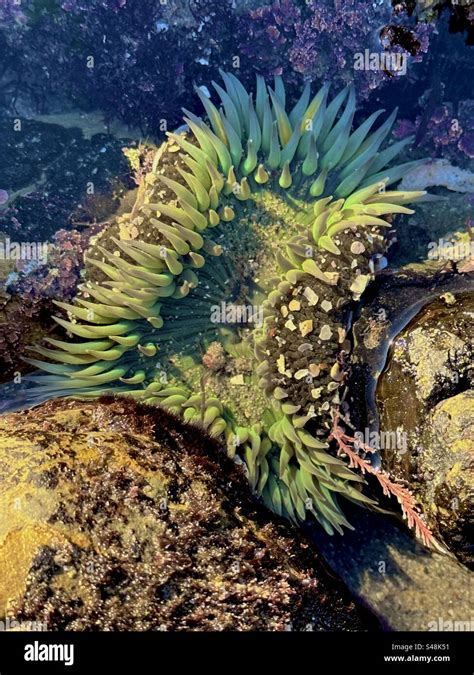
{"x": 413, "y": 359}
{"x": 447, "y": 467}
{"x": 22, "y": 322}
{"x": 55, "y": 177}
{"x": 426, "y": 392}
{"x": 406, "y": 586}
{"x": 116, "y": 516}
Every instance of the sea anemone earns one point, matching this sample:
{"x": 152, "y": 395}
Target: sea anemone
{"x": 257, "y": 230}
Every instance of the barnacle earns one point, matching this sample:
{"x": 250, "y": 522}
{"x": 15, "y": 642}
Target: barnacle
{"x": 259, "y": 239}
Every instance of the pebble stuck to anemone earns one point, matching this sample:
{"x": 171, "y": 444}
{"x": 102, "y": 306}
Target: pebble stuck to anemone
{"x": 275, "y": 209}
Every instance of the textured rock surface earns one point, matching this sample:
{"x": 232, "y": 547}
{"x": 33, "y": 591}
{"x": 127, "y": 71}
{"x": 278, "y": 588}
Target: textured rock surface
{"x": 116, "y": 516}
{"x": 47, "y": 177}
{"x": 406, "y": 586}
{"x": 21, "y": 323}
{"x": 447, "y": 465}
{"x": 426, "y": 392}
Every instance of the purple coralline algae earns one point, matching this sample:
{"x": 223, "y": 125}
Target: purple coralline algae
{"x": 322, "y": 40}
{"x": 76, "y": 6}
{"x": 11, "y": 10}
{"x": 58, "y": 278}
{"x": 446, "y": 133}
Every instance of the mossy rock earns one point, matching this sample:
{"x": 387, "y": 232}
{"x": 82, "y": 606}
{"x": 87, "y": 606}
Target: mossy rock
{"x": 117, "y": 516}
{"x": 425, "y": 391}
{"x": 447, "y": 464}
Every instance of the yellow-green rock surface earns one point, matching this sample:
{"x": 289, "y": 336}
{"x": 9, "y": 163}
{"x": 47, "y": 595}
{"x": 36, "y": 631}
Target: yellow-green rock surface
{"x": 116, "y": 516}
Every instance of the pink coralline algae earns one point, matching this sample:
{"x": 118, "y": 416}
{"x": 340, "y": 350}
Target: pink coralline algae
{"x": 466, "y": 145}
{"x": 320, "y": 41}
{"x": 26, "y": 303}
{"x": 404, "y": 128}
{"x": 75, "y": 6}
{"x": 11, "y": 10}
{"x": 58, "y": 278}
{"x": 270, "y": 31}
{"x": 445, "y": 133}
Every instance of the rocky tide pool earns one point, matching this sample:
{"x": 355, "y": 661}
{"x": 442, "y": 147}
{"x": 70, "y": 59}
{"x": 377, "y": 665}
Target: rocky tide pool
{"x": 236, "y": 323}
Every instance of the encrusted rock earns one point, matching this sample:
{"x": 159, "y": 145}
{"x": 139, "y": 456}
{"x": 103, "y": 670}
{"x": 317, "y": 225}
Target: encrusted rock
{"x": 425, "y": 396}
{"x": 446, "y": 466}
{"x": 116, "y": 516}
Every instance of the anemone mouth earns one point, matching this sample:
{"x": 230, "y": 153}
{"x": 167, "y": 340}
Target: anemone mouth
{"x": 229, "y": 304}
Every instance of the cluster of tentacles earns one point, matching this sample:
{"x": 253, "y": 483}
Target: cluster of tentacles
{"x": 226, "y": 295}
